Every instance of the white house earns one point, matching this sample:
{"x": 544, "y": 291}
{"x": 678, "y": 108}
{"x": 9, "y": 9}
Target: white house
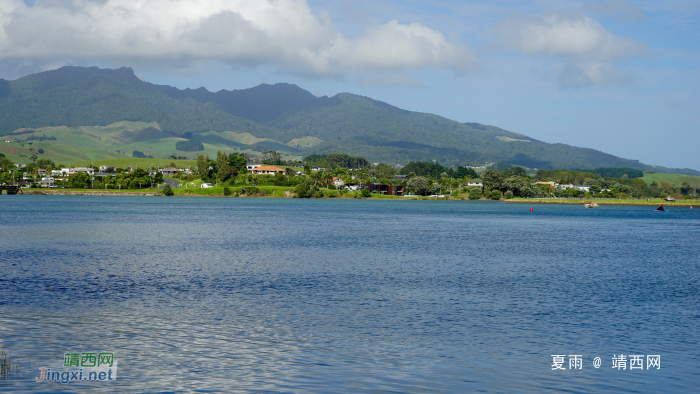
{"x": 318, "y": 169}
{"x": 69, "y": 171}
{"x": 475, "y": 183}
{"x": 206, "y": 185}
{"x": 338, "y": 183}
{"x": 251, "y": 166}
{"x": 583, "y": 188}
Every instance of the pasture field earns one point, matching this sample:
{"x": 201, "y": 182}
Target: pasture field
{"x": 674, "y": 179}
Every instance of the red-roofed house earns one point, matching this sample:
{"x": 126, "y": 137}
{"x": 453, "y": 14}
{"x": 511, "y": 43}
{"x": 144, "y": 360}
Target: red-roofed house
{"x": 267, "y": 170}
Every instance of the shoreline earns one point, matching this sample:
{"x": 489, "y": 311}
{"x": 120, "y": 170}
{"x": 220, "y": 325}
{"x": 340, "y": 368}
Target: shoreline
{"x": 39, "y": 192}
{"x": 152, "y": 193}
{"x": 602, "y": 202}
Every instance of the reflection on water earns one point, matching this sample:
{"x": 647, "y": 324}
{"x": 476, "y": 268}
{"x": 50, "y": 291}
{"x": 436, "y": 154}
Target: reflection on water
{"x": 350, "y": 296}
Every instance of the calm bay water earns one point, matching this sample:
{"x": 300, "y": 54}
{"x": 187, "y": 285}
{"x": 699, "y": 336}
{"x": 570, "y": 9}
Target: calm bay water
{"x": 281, "y": 295}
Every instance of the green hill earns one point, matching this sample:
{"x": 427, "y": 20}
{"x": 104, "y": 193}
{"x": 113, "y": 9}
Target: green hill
{"x": 94, "y": 103}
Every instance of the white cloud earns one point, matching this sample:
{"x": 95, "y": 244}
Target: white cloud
{"x": 587, "y": 50}
{"x": 283, "y": 34}
{"x": 617, "y": 8}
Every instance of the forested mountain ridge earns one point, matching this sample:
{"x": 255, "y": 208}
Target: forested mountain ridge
{"x": 282, "y": 117}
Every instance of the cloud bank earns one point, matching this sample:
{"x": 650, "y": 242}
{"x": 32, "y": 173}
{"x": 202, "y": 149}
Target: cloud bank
{"x": 587, "y": 50}
{"x": 283, "y": 34}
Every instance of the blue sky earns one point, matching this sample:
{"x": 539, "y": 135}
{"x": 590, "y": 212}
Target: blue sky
{"x": 621, "y": 76}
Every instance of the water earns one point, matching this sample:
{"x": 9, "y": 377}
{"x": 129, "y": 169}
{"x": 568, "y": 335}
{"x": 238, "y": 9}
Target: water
{"x": 281, "y": 295}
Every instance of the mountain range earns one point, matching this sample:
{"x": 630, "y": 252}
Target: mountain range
{"x": 79, "y": 113}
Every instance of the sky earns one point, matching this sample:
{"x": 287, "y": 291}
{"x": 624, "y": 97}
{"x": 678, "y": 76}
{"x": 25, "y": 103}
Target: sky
{"x": 620, "y": 76}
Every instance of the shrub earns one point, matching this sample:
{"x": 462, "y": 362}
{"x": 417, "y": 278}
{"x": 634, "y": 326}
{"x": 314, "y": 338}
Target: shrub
{"x": 304, "y": 190}
{"x": 227, "y": 191}
{"x": 366, "y": 193}
{"x": 319, "y": 194}
{"x": 168, "y": 191}
{"x": 474, "y": 193}
{"x": 496, "y": 195}
{"x": 508, "y": 195}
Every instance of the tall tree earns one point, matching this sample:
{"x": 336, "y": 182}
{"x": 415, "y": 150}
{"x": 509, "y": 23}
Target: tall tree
{"x": 203, "y": 166}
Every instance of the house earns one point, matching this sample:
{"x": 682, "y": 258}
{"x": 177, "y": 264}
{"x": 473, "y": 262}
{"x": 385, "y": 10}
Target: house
{"x": 169, "y": 171}
{"x": 46, "y": 182}
{"x": 475, "y": 183}
{"x": 400, "y": 178}
{"x": 251, "y": 166}
{"x": 69, "y": 171}
{"x": 41, "y": 171}
{"x": 318, "y": 169}
{"x": 267, "y": 170}
{"x": 56, "y": 173}
{"x": 583, "y": 188}
{"x": 337, "y": 182}
{"x": 564, "y": 187}
{"x": 206, "y": 185}
{"x": 20, "y": 165}
{"x": 391, "y": 190}
{"x": 106, "y": 169}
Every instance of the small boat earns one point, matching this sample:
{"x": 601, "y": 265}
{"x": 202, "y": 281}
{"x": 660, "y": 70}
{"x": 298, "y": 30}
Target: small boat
{"x": 660, "y": 208}
{"x": 590, "y": 204}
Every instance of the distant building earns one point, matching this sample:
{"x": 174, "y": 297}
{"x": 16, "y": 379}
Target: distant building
{"x": 70, "y": 171}
{"x": 318, "y": 169}
{"x": 475, "y": 183}
{"x": 337, "y": 182}
{"x": 400, "y": 178}
{"x": 169, "y": 171}
{"x": 267, "y": 170}
{"x": 106, "y": 169}
{"x": 391, "y": 190}
{"x": 251, "y": 166}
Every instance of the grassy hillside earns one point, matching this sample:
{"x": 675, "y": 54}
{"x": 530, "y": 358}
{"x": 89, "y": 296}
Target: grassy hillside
{"x": 140, "y": 163}
{"x": 119, "y": 140}
{"x": 674, "y": 179}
